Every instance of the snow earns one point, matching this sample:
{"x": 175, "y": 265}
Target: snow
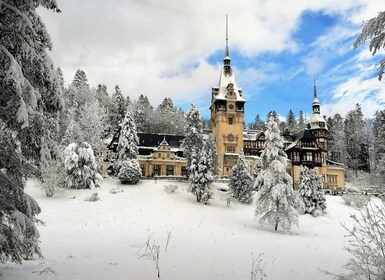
{"x": 99, "y": 240}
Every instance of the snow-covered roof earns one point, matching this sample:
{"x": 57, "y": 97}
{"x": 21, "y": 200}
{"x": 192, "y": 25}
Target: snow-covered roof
{"x": 251, "y": 135}
{"x": 225, "y": 79}
{"x": 315, "y": 121}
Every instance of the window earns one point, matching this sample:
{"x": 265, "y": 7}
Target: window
{"x": 184, "y": 171}
{"x": 308, "y": 156}
{"x": 317, "y": 157}
{"x": 230, "y": 150}
{"x": 143, "y": 168}
{"x": 230, "y": 120}
{"x": 296, "y": 156}
{"x": 170, "y": 170}
{"x": 156, "y": 170}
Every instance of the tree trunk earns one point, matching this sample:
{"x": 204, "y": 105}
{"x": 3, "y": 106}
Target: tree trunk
{"x": 276, "y": 226}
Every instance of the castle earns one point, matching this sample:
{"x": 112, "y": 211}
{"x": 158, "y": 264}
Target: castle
{"x": 160, "y": 154}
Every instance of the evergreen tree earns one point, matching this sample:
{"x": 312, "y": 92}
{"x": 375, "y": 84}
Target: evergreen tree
{"x": 193, "y": 133}
{"x": 301, "y": 121}
{"x": 241, "y": 185}
{"x": 311, "y": 191}
{"x": 80, "y": 80}
{"x": 256, "y": 170}
{"x": 212, "y": 155}
{"x": 259, "y": 123}
{"x": 276, "y": 201}
{"x": 81, "y": 167}
{"x": 128, "y": 140}
{"x": 127, "y": 166}
{"x": 118, "y": 108}
{"x": 355, "y": 141}
{"x": 274, "y": 115}
{"x": 60, "y": 78}
{"x": 291, "y": 121}
{"x": 336, "y": 139}
{"x": 201, "y": 178}
{"x": 374, "y": 29}
{"x": 30, "y": 94}
{"x": 142, "y": 113}
{"x": 379, "y": 147}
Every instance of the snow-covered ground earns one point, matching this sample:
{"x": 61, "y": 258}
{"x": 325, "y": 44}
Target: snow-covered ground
{"x": 101, "y": 240}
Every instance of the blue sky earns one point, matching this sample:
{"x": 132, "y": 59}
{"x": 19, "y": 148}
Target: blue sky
{"x": 176, "y": 48}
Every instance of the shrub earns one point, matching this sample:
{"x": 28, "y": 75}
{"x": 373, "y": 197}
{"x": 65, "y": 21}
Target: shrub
{"x": 170, "y": 188}
{"x": 357, "y": 200}
{"x": 368, "y": 243}
{"x": 129, "y": 172}
{"x": 94, "y": 197}
{"x": 53, "y": 176}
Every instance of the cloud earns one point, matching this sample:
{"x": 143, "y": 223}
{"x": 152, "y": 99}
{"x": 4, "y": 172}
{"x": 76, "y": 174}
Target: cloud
{"x": 160, "y": 48}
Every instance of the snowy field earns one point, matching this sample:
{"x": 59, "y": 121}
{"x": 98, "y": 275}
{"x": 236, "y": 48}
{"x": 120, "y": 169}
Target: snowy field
{"x": 103, "y": 239}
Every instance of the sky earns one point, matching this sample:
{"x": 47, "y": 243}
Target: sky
{"x": 165, "y": 48}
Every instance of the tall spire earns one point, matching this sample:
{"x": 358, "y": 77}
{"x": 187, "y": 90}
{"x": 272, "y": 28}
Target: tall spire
{"x": 315, "y": 89}
{"x": 227, "y": 60}
{"x": 227, "y": 37}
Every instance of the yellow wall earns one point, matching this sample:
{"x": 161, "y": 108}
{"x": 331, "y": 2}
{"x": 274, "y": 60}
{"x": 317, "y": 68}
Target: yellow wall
{"x": 221, "y": 129}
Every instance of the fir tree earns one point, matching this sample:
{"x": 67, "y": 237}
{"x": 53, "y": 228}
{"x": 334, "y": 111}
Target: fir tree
{"x": 301, "y": 121}
{"x": 336, "y": 139}
{"x": 311, "y": 191}
{"x": 374, "y": 29}
{"x": 241, "y": 184}
{"x": 118, "y": 108}
{"x": 212, "y": 155}
{"x": 128, "y": 140}
{"x": 127, "y": 166}
{"x": 30, "y": 95}
{"x": 259, "y": 124}
{"x": 80, "y": 80}
{"x": 193, "y": 133}
{"x": 201, "y": 177}
{"x": 142, "y": 113}
{"x": 276, "y": 202}
{"x": 291, "y": 121}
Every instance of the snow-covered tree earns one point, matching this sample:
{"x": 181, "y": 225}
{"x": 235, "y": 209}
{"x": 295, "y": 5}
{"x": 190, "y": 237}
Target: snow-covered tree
{"x": 193, "y": 133}
{"x": 142, "y": 113}
{"x": 127, "y": 166}
{"x": 29, "y": 92}
{"x": 119, "y": 108}
{"x": 276, "y": 202}
{"x": 241, "y": 184}
{"x": 373, "y": 30}
{"x": 311, "y": 191}
{"x": 212, "y": 155}
{"x": 257, "y": 167}
{"x": 201, "y": 177}
{"x": 301, "y": 121}
{"x": 128, "y": 140}
{"x": 129, "y": 171}
{"x": 80, "y": 80}
{"x": 81, "y": 167}
{"x": 53, "y": 176}
{"x": 336, "y": 139}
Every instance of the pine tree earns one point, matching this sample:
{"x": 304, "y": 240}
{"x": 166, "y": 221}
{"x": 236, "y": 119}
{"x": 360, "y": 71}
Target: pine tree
{"x": 256, "y": 170}
{"x": 355, "y": 141}
{"x": 127, "y": 166}
{"x": 259, "y": 123}
{"x": 374, "y": 29}
{"x": 212, "y": 155}
{"x": 193, "y": 133}
{"x": 201, "y": 177}
{"x": 291, "y": 121}
{"x": 30, "y": 94}
{"x": 80, "y": 80}
{"x": 276, "y": 202}
{"x": 311, "y": 191}
{"x": 118, "y": 108}
{"x": 336, "y": 139}
{"x": 241, "y": 184}
{"x": 142, "y": 113}
{"x": 301, "y": 121}
{"x": 81, "y": 167}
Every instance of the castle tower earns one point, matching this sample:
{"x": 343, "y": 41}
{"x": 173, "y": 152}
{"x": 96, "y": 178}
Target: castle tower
{"x": 318, "y": 126}
{"x": 227, "y": 116}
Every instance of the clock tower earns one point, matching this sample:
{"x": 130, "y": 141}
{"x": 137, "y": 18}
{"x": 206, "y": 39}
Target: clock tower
{"x": 227, "y": 116}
